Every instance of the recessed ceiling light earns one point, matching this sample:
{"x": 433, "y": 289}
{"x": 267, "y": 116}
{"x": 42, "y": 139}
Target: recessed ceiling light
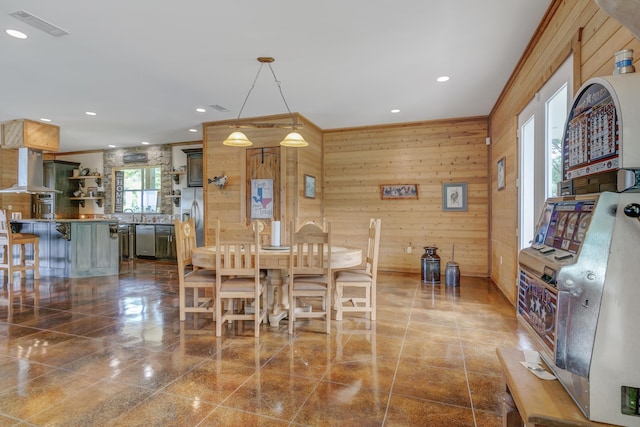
{"x": 145, "y": 142}
{"x": 90, "y": 113}
{"x": 17, "y": 34}
{"x": 395, "y": 110}
{"x": 442, "y": 79}
{"x": 45, "y": 120}
{"x": 201, "y": 110}
{"x": 193, "y": 130}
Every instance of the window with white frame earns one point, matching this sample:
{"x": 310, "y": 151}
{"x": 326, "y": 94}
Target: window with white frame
{"x": 540, "y": 131}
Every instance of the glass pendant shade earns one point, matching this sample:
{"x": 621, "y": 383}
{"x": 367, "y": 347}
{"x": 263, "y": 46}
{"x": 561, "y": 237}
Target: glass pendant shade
{"x": 294, "y": 139}
{"x": 237, "y": 139}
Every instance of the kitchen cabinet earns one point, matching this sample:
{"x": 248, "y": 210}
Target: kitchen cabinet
{"x": 194, "y": 167}
{"x": 127, "y": 233}
{"x": 56, "y": 175}
{"x": 94, "y": 249}
{"x": 74, "y": 248}
{"x": 165, "y": 242}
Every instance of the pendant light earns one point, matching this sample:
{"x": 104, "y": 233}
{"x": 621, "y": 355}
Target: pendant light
{"x": 239, "y": 139}
{"x": 294, "y": 139}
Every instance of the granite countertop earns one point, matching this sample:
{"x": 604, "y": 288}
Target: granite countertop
{"x": 24, "y": 220}
{"x": 124, "y": 222}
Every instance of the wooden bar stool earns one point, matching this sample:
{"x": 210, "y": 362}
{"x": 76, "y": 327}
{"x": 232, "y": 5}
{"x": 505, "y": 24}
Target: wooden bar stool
{"x": 7, "y": 242}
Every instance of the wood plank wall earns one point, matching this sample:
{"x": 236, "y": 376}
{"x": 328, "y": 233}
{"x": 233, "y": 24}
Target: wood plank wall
{"x": 229, "y": 204}
{"x": 358, "y": 160}
{"x": 9, "y": 177}
{"x": 560, "y": 33}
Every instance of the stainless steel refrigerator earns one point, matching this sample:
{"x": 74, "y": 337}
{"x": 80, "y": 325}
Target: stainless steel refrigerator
{"x": 192, "y": 206}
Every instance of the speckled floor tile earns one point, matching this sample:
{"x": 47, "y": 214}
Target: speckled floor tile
{"x": 54, "y": 349}
{"x": 432, "y": 383}
{"x": 31, "y": 396}
{"x": 212, "y": 381}
{"x": 338, "y": 404}
{"x": 14, "y": 372}
{"x": 301, "y": 361}
{"x": 157, "y": 370}
{"x": 487, "y": 392}
{"x": 370, "y": 373}
{"x": 272, "y": 394}
{"x": 164, "y": 410}
{"x": 223, "y": 416}
{"x": 92, "y": 406}
{"x": 406, "y": 411}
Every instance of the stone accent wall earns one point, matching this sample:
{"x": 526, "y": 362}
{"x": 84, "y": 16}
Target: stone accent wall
{"x": 157, "y": 155}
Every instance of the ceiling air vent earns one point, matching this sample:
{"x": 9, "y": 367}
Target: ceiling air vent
{"x": 219, "y": 108}
{"x": 39, "y": 23}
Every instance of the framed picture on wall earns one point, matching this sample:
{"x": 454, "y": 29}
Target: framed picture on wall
{"x": 310, "y": 186}
{"x": 454, "y": 196}
{"x": 399, "y": 191}
{"x": 501, "y": 183}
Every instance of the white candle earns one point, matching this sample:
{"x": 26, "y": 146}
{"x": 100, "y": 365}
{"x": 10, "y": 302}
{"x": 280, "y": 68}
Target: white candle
{"x": 275, "y": 233}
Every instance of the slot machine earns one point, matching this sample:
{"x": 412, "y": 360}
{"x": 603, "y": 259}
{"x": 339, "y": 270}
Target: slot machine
{"x": 579, "y": 281}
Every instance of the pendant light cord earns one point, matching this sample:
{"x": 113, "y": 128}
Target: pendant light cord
{"x": 293, "y": 119}
{"x": 295, "y": 122}
{"x": 250, "y": 90}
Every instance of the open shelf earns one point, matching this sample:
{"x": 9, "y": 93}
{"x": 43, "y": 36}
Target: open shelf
{"x": 82, "y": 200}
{"x": 176, "y": 175}
{"x": 97, "y": 178}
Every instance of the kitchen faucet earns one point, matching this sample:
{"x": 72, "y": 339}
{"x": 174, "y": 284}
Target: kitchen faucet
{"x": 133, "y": 214}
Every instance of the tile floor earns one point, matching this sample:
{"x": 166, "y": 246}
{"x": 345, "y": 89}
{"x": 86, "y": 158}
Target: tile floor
{"x": 111, "y": 352}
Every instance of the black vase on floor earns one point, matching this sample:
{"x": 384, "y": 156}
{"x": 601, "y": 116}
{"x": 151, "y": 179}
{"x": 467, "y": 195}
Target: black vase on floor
{"x": 430, "y": 265}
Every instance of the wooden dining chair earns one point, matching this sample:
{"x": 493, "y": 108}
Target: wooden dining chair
{"x": 200, "y": 282}
{"x": 238, "y": 278}
{"x": 363, "y": 278}
{"x": 8, "y": 240}
{"x": 310, "y": 273}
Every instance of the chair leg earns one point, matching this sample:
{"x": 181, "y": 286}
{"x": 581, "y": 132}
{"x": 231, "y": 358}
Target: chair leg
{"x": 327, "y": 311}
{"x": 219, "y": 308}
{"x": 372, "y": 298}
{"x": 36, "y": 261}
{"x": 292, "y": 313}
{"x": 183, "y": 300}
{"x": 338, "y": 302}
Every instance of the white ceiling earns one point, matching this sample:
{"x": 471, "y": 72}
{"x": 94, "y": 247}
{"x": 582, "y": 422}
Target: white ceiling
{"x": 144, "y": 66}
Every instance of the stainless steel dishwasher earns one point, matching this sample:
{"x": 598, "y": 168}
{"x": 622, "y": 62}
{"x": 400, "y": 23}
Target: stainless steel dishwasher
{"x": 165, "y": 242}
{"x": 145, "y": 240}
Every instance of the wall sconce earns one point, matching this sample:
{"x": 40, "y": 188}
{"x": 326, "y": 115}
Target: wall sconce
{"x": 219, "y": 181}
{"x": 239, "y": 139}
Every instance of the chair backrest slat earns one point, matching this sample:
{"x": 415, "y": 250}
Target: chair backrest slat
{"x": 237, "y": 250}
{"x": 373, "y": 245}
{"x": 310, "y": 250}
{"x": 185, "y": 232}
{"x": 5, "y": 228}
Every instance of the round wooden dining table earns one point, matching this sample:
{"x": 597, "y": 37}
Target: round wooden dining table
{"x": 276, "y": 261}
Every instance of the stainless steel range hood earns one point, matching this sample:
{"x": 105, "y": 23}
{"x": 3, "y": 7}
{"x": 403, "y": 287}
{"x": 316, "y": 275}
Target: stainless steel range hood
{"x": 30, "y": 174}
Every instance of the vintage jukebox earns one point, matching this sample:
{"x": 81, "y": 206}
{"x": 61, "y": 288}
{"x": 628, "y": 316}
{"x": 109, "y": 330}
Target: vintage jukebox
{"x": 579, "y": 281}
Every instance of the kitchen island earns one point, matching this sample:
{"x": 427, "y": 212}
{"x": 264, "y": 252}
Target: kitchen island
{"x": 74, "y": 247}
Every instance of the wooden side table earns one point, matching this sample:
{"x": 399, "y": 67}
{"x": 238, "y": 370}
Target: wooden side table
{"x": 538, "y": 402}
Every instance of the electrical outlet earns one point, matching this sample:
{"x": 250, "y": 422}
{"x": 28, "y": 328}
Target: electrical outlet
{"x": 408, "y": 249}
{"x": 500, "y": 259}
{"x": 10, "y": 207}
